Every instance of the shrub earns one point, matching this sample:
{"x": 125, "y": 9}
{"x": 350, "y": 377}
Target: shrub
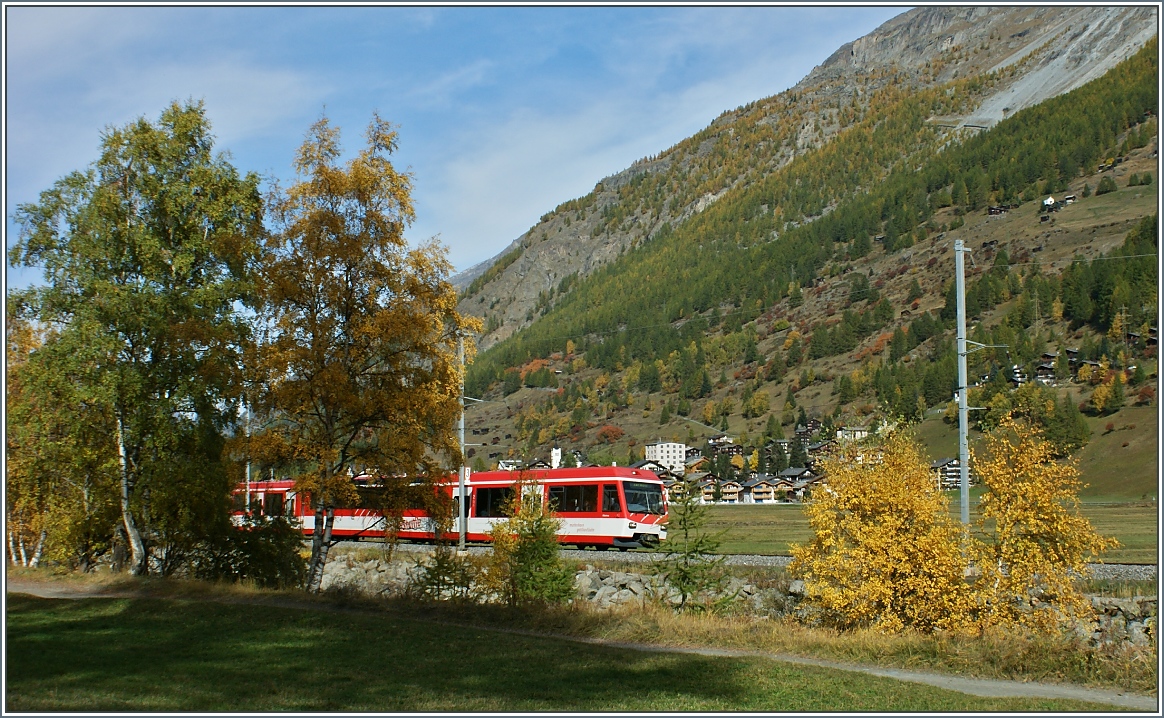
{"x": 609, "y": 434}
{"x": 526, "y": 567}
{"x": 263, "y": 550}
{"x": 1107, "y": 184}
{"x": 885, "y": 551}
{"x": 1109, "y": 427}
{"x": 687, "y": 562}
{"x": 1039, "y": 538}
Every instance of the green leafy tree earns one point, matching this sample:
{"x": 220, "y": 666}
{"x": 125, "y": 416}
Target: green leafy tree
{"x": 1107, "y": 184}
{"x": 145, "y": 255}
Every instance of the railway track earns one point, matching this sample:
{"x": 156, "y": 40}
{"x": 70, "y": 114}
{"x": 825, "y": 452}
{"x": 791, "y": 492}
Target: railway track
{"x": 1106, "y": 571}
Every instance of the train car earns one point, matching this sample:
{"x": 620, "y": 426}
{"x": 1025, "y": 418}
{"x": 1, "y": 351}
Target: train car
{"x": 603, "y": 506}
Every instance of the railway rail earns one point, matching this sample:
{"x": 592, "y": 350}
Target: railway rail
{"x": 1103, "y": 571}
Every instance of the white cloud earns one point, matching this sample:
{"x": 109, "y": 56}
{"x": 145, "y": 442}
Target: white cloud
{"x": 443, "y": 90}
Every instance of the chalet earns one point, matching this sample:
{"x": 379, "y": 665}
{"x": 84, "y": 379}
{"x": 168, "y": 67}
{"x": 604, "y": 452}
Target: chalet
{"x": 729, "y": 449}
{"x": 760, "y": 490}
{"x": 693, "y": 452}
{"x": 1069, "y": 199}
{"x": 990, "y": 244}
{"x": 509, "y": 465}
{"x": 1072, "y": 357}
{"x": 1050, "y": 356}
{"x": 947, "y": 473}
{"x": 1087, "y": 362}
{"x": 663, "y": 472}
{"x": 853, "y": 433}
{"x": 1045, "y": 218}
{"x": 996, "y": 211}
{"x": 1152, "y": 339}
{"x": 802, "y": 488}
{"x": 1049, "y": 202}
{"x": 1017, "y": 375}
{"x": 819, "y": 450}
{"x": 539, "y": 464}
{"x": 797, "y": 473}
{"x": 1045, "y": 374}
{"x": 729, "y": 491}
{"x": 699, "y": 463}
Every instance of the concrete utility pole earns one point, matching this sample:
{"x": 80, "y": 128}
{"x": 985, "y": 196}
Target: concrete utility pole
{"x": 461, "y": 512}
{"x": 963, "y": 411}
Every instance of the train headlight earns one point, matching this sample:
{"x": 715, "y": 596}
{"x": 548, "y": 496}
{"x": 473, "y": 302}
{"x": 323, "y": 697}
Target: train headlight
{"x": 633, "y": 525}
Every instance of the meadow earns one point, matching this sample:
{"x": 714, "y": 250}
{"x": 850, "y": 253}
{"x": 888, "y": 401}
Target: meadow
{"x": 771, "y": 528}
{"x": 161, "y": 654}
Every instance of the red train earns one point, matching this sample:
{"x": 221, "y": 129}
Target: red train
{"x": 600, "y": 506}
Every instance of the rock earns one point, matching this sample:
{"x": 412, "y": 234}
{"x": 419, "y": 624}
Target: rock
{"x": 796, "y": 588}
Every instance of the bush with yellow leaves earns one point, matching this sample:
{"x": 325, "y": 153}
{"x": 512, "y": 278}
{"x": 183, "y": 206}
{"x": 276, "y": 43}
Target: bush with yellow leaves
{"x": 886, "y": 552}
{"x": 1033, "y": 536}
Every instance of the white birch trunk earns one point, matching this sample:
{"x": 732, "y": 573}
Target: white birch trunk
{"x": 39, "y": 550}
{"x": 138, "y": 561}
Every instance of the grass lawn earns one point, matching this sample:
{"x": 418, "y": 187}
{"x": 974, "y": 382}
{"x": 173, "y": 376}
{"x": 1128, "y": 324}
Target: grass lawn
{"x": 770, "y": 528}
{"x": 165, "y": 655}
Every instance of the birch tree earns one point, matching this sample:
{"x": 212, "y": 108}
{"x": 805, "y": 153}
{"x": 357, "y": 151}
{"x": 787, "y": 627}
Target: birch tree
{"x": 359, "y": 356}
{"x": 145, "y": 255}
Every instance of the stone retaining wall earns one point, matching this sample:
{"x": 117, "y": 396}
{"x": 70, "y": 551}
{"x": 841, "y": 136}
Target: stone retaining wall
{"x": 1132, "y": 620}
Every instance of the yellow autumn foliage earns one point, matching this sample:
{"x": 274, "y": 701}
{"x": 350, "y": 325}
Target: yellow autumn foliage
{"x": 1035, "y": 536}
{"x": 887, "y": 554}
{"x": 885, "y": 551}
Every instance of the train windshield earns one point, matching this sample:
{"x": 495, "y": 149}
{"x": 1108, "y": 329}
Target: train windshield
{"x": 642, "y": 498}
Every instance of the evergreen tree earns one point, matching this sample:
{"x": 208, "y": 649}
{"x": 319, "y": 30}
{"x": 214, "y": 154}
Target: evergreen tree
{"x": 1117, "y": 398}
{"x": 798, "y": 457}
{"x": 780, "y": 459}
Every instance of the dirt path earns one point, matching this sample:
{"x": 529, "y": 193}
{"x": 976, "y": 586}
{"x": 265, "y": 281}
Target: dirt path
{"x": 973, "y": 686}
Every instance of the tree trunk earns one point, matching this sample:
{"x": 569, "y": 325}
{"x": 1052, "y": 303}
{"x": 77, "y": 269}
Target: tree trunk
{"x": 138, "y": 560}
{"x": 23, "y": 554}
{"x": 119, "y": 550}
{"x": 313, "y": 566}
{"x": 39, "y": 551}
{"x": 316, "y": 575}
{"x": 12, "y": 549}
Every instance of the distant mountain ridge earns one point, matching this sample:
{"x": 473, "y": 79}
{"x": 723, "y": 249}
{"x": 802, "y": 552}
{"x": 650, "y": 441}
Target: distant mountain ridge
{"x": 1037, "y": 52}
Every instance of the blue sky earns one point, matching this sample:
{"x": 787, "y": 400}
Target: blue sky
{"x": 503, "y": 113}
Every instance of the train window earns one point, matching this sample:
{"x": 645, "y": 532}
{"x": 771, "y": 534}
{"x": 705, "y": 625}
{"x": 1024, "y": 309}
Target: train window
{"x": 273, "y": 504}
{"x": 643, "y": 498}
{"x": 491, "y": 502}
{"x": 574, "y": 499}
{"x": 610, "y": 498}
{"x": 457, "y": 506}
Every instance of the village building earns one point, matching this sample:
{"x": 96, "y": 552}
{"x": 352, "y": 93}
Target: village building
{"x": 670, "y": 454}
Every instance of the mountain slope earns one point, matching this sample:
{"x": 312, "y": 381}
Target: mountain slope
{"x": 1034, "y": 52}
